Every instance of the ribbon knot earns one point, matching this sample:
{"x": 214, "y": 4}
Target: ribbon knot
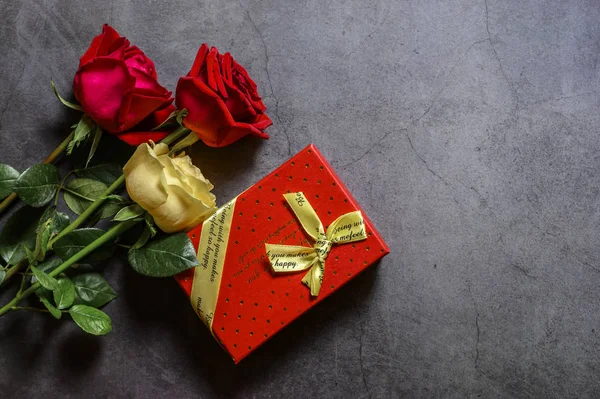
{"x": 291, "y": 258}
{"x": 323, "y": 247}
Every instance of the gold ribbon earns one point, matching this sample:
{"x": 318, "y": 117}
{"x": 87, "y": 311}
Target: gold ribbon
{"x": 211, "y": 256}
{"x": 290, "y": 258}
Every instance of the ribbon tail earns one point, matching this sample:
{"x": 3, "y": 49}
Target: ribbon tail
{"x": 314, "y": 278}
{"x": 306, "y": 214}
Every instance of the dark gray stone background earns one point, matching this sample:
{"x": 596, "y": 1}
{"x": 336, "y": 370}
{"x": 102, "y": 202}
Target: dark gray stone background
{"x": 468, "y": 131}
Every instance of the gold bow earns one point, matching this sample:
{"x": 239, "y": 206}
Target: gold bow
{"x": 290, "y": 258}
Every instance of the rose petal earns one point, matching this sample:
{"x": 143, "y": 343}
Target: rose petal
{"x": 100, "y": 86}
{"x": 136, "y": 59}
{"x": 262, "y": 122}
{"x": 160, "y": 149}
{"x": 145, "y": 81}
{"x": 199, "y": 61}
{"x": 215, "y": 81}
{"x": 117, "y": 49}
{"x": 180, "y": 211}
{"x": 226, "y": 136}
{"x": 251, "y": 129}
{"x": 226, "y": 63}
{"x": 200, "y": 184}
{"x": 144, "y": 178}
{"x": 135, "y": 108}
{"x": 155, "y": 118}
{"x": 207, "y": 113}
{"x": 173, "y": 176}
{"x": 247, "y": 86}
{"x": 137, "y": 138}
{"x": 100, "y": 43}
{"x": 243, "y": 73}
{"x": 161, "y": 114}
{"x": 219, "y": 79}
{"x": 237, "y": 103}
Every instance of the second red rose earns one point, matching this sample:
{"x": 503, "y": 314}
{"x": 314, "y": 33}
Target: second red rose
{"x": 222, "y": 100}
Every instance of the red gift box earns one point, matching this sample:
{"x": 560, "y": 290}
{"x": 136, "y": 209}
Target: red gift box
{"x": 252, "y": 302}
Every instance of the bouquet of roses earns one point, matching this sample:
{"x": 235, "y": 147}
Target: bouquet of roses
{"x": 118, "y": 93}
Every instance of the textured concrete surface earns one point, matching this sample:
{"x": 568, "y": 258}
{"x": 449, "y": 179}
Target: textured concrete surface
{"x": 468, "y": 130}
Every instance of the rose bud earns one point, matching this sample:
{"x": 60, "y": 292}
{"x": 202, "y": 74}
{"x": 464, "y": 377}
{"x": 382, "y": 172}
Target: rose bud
{"x": 116, "y": 84}
{"x": 222, "y": 101}
{"x": 172, "y": 190}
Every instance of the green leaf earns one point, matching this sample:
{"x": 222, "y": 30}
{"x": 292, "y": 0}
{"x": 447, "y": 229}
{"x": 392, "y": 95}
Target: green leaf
{"x": 19, "y": 232}
{"x": 91, "y": 320}
{"x": 80, "y": 193}
{"x": 64, "y": 295}
{"x": 84, "y": 128}
{"x": 31, "y": 256}
{"x": 106, "y": 173}
{"x": 167, "y": 121}
{"x": 51, "y": 308}
{"x": 69, "y": 104}
{"x": 87, "y": 188}
{"x": 182, "y": 113}
{"x": 95, "y": 142}
{"x": 44, "y": 279}
{"x": 2, "y": 275}
{"x": 37, "y": 185}
{"x": 42, "y": 292}
{"x": 178, "y": 115}
{"x": 60, "y": 221}
{"x": 108, "y": 209}
{"x": 144, "y": 237}
{"x": 184, "y": 143}
{"x": 73, "y": 242}
{"x": 165, "y": 257}
{"x": 150, "y": 223}
{"x": 83, "y": 268}
{"x": 93, "y": 290}
{"x": 41, "y": 242}
{"x": 47, "y": 266}
{"x": 129, "y": 212}
{"x": 8, "y": 176}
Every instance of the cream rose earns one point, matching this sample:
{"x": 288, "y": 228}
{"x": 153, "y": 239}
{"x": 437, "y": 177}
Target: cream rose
{"x": 172, "y": 190}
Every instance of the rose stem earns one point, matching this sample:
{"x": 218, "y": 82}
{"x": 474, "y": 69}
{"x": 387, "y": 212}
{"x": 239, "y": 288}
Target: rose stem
{"x": 110, "y": 235}
{"x": 174, "y": 136}
{"x": 51, "y": 158}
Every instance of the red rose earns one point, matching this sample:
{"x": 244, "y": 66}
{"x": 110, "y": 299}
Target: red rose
{"x": 222, "y": 101}
{"x": 116, "y": 85}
